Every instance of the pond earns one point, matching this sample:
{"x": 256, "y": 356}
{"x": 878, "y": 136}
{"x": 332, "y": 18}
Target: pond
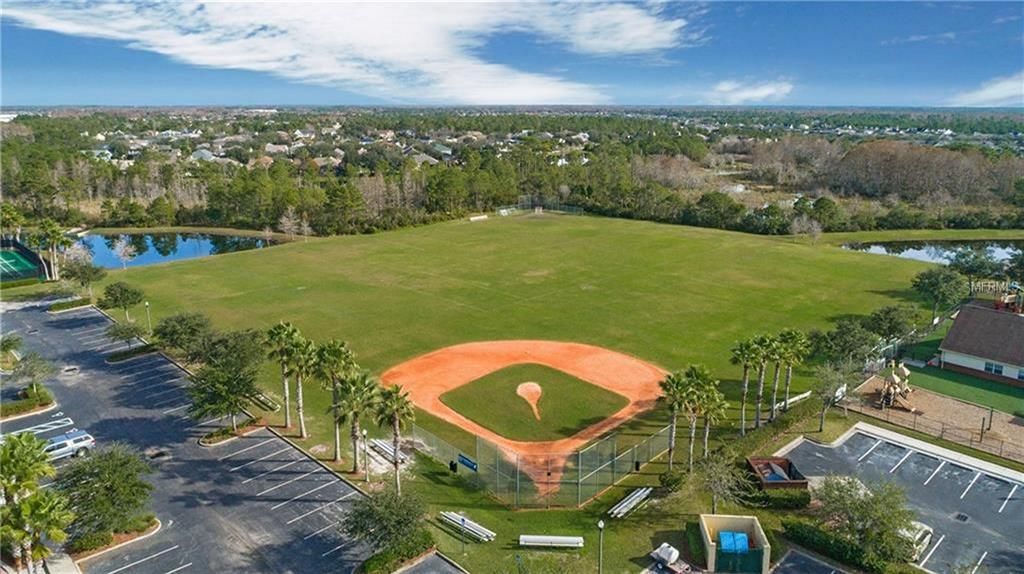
{"x": 939, "y": 251}
{"x": 150, "y": 248}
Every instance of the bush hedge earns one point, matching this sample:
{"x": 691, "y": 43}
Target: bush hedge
{"x": 756, "y": 440}
{"x": 31, "y": 401}
{"x": 72, "y": 304}
{"x": 695, "y": 544}
{"x": 225, "y": 432}
{"x": 390, "y": 559}
{"x": 828, "y": 544}
{"x": 129, "y": 353}
{"x": 90, "y": 541}
{"x": 21, "y": 282}
{"x": 784, "y": 499}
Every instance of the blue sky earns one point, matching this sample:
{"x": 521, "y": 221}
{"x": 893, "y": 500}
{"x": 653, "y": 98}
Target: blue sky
{"x": 804, "y": 54}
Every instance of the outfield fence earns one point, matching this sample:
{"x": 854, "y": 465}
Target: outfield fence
{"x": 545, "y": 480}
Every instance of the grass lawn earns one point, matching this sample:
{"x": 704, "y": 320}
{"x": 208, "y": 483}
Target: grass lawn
{"x": 1000, "y": 396}
{"x": 928, "y": 347}
{"x": 567, "y": 405}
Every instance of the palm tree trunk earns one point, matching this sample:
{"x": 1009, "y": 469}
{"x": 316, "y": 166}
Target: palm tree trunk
{"x": 300, "y": 407}
{"x": 707, "y": 431}
{"x": 821, "y": 419}
{"x": 16, "y": 554}
{"x": 286, "y": 392}
{"x": 234, "y": 423}
{"x": 743, "y": 400}
{"x": 693, "y": 437}
{"x": 91, "y": 297}
{"x": 395, "y": 431}
{"x": 672, "y": 440}
{"x": 789, "y": 379}
{"x": 355, "y": 444}
{"x": 775, "y": 391}
{"x": 126, "y": 317}
{"x": 714, "y": 503}
{"x": 337, "y": 422}
{"x": 760, "y": 395}
{"x": 26, "y": 551}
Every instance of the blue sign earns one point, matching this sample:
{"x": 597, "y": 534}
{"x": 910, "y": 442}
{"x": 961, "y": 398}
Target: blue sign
{"x": 467, "y": 462}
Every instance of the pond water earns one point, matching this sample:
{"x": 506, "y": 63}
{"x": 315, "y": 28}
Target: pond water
{"x": 150, "y": 248}
{"x": 938, "y": 251}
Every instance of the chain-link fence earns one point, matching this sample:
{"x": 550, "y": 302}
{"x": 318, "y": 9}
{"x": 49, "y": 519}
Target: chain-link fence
{"x": 544, "y": 480}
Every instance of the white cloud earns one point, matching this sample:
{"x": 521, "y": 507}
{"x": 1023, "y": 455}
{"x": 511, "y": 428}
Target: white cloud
{"x": 1005, "y": 19}
{"x": 944, "y": 37}
{"x": 997, "y": 92}
{"x": 732, "y": 92}
{"x": 415, "y": 52}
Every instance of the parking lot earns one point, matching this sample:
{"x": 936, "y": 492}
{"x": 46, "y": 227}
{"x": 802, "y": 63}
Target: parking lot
{"x": 255, "y": 504}
{"x": 977, "y": 517}
{"x": 795, "y": 562}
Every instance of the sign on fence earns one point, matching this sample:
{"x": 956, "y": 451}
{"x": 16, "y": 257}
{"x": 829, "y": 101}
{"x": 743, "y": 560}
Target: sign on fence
{"x": 467, "y": 462}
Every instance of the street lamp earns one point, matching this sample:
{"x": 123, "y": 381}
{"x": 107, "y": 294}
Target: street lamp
{"x": 149, "y": 319}
{"x": 366, "y": 458}
{"x": 600, "y": 547}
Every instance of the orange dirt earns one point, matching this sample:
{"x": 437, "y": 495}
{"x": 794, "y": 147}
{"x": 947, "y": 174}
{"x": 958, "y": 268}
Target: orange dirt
{"x": 531, "y": 393}
{"x": 429, "y": 376}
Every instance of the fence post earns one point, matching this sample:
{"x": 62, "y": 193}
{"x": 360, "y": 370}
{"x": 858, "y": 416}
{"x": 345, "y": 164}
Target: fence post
{"x": 517, "y": 481}
{"x": 579, "y": 478}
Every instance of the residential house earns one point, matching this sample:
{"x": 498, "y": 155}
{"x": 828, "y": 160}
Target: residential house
{"x": 275, "y": 148}
{"x": 202, "y": 155}
{"x": 987, "y": 343}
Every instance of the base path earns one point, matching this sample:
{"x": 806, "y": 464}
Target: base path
{"x": 429, "y": 376}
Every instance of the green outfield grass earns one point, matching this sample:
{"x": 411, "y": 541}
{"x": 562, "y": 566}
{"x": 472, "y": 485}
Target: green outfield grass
{"x": 567, "y": 405}
{"x": 671, "y": 295}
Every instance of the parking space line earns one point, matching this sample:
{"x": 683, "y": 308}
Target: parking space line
{"x": 324, "y": 507}
{"x": 1008, "y": 497}
{"x": 165, "y": 402}
{"x": 287, "y": 482}
{"x": 312, "y": 534}
{"x": 294, "y": 498}
{"x": 45, "y": 427}
{"x": 204, "y": 423}
{"x": 332, "y": 550}
{"x": 151, "y": 376}
{"x": 178, "y": 408}
{"x": 905, "y": 457}
{"x": 223, "y": 458}
{"x": 164, "y": 392}
{"x": 978, "y": 565}
{"x": 147, "y": 558}
{"x": 153, "y": 383}
{"x": 261, "y": 475}
{"x": 937, "y": 469}
{"x": 973, "y": 480}
{"x": 863, "y": 456}
{"x": 178, "y": 569}
{"x": 241, "y": 466}
{"x": 932, "y": 551}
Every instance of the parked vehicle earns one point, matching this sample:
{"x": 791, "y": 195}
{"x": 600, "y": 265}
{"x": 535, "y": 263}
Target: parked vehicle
{"x": 74, "y": 443}
{"x": 920, "y": 535}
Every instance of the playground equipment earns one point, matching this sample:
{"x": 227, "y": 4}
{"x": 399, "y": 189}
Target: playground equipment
{"x": 896, "y": 389}
{"x": 1013, "y": 299}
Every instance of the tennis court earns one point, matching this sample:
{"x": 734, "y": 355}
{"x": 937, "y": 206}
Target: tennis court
{"x": 14, "y": 265}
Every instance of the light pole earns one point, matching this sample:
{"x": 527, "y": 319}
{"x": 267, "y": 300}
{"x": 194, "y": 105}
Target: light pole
{"x": 600, "y": 547}
{"x": 366, "y": 458}
{"x": 149, "y": 319}
{"x": 463, "y": 535}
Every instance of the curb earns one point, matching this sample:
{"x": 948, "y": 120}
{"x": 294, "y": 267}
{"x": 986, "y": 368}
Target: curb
{"x": 159, "y": 525}
{"x": 231, "y": 439}
{"x": 69, "y": 309}
{"x": 47, "y": 409}
{"x": 316, "y": 460}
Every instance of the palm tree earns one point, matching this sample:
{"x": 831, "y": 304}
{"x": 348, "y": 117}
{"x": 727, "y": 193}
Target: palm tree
{"x": 713, "y": 409}
{"x": 673, "y": 393}
{"x": 45, "y": 514}
{"x": 696, "y": 380}
{"x": 393, "y": 409}
{"x": 762, "y": 352}
{"x": 23, "y": 462}
{"x": 359, "y": 394}
{"x": 303, "y": 365}
{"x": 334, "y": 360}
{"x": 797, "y": 347}
{"x": 281, "y": 339}
{"x": 744, "y": 353}
{"x": 55, "y": 240}
{"x": 9, "y": 343}
{"x": 12, "y": 532}
{"x": 776, "y": 354}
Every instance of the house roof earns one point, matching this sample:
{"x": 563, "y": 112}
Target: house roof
{"x": 986, "y": 333}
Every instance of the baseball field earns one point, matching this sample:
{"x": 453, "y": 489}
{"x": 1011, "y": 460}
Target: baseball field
{"x": 664, "y": 295}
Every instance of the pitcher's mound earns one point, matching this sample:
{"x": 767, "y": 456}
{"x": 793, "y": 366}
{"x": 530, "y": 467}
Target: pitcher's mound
{"x": 531, "y": 393}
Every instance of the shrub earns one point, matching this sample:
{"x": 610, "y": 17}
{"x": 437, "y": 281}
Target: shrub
{"x": 671, "y": 480}
{"x": 785, "y": 499}
{"x": 129, "y": 353}
{"x": 90, "y": 541}
{"x": 225, "y": 432}
{"x": 755, "y": 440}
{"x": 695, "y": 543}
{"x": 41, "y": 397}
{"x": 72, "y": 304}
{"x": 828, "y": 544}
{"x": 21, "y": 282}
{"x": 389, "y": 559}
{"x": 139, "y": 523}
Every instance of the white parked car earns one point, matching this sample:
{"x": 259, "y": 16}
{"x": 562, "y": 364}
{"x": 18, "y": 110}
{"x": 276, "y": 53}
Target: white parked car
{"x": 920, "y": 535}
{"x": 74, "y": 443}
